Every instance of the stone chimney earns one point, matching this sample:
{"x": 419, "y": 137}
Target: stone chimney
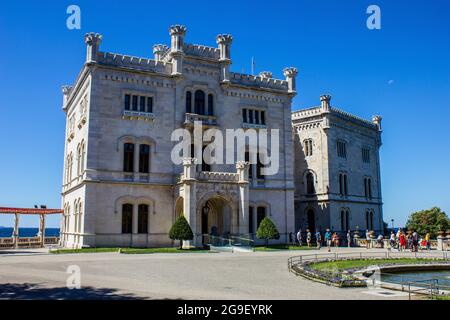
{"x": 325, "y": 102}
{"x": 224, "y": 43}
{"x": 177, "y": 33}
{"x": 159, "y": 50}
{"x": 93, "y": 41}
{"x": 377, "y": 120}
{"x": 291, "y": 74}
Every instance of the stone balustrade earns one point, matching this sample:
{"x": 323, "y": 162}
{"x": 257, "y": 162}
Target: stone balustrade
{"x": 190, "y": 118}
{"x": 218, "y": 176}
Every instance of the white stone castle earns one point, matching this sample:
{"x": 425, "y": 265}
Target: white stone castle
{"x": 121, "y": 187}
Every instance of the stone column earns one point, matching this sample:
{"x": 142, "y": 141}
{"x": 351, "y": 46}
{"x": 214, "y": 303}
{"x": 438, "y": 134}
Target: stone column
{"x": 242, "y": 171}
{"x": 224, "y": 42}
{"x": 190, "y": 201}
{"x": 93, "y": 41}
{"x": 42, "y": 229}
{"x": 291, "y": 74}
{"x": 16, "y": 230}
{"x": 177, "y": 34}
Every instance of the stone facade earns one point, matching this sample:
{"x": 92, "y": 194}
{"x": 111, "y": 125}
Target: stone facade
{"x": 337, "y": 159}
{"x": 121, "y": 187}
{"x": 110, "y": 203}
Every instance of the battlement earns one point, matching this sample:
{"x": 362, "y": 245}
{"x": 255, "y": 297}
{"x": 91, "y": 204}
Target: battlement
{"x": 258, "y": 81}
{"x": 144, "y": 64}
{"x": 306, "y": 113}
{"x": 197, "y": 50}
{"x": 350, "y": 116}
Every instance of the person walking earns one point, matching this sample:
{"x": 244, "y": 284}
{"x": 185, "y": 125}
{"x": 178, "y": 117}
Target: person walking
{"x": 427, "y": 240}
{"x": 392, "y": 241}
{"x": 368, "y": 239}
{"x": 328, "y": 239}
{"x": 402, "y": 242}
{"x": 415, "y": 241}
{"x": 318, "y": 239}
{"x": 299, "y": 237}
{"x": 349, "y": 238}
{"x": 308, "y": 238}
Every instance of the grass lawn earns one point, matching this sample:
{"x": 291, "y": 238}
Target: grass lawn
{"x": 277, "y": 247}
{"x": 161, "y": 250}
{"x": 445, "y": 297}
{"x": 84, "y": 250}
{"x": 350, "y": 264}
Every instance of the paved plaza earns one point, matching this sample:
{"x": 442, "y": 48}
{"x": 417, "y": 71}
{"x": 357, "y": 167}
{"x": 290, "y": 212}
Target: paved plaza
{"x": 261, "y": 275}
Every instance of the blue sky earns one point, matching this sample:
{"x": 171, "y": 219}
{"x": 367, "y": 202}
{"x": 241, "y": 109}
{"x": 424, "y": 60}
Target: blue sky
{"x": 401, "y": 72}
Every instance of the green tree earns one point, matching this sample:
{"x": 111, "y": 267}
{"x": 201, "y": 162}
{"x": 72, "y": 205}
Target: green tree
{"x": 432, "y": 221}
{"x": 181, "y": 230}
{"x": 267, "y": 230}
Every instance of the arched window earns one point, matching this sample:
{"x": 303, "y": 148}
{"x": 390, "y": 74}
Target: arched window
{"x": 369, "y": 220}
{"x": 127, "y": 218}
{"x": 368, "y": 187}
{"x": 83, "y": 156}
{"x": 343, "y": 184}
{"x": 144, "y": 158}
{"x": 260, "y": 215}
{"x": 308, "y": 147}
{"x": 345, "y": 220}
{"x": 199, "y": 102}
{"x": 188, "y": 102}
{"x": 310, "y": 189}
{"x": 80, "y": 212}
{"x": 128, "y": 157}
{"x": 210, "y": 105}
{"x": 143, "y": 218}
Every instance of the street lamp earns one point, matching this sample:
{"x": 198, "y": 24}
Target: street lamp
{"x": 392, "y": 220}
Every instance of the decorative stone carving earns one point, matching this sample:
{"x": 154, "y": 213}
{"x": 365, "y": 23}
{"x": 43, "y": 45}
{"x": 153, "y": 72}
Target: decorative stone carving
{"x": 266, "y": 74}
{"x": 377, "y": 120}
{"x": 159, "y": 50}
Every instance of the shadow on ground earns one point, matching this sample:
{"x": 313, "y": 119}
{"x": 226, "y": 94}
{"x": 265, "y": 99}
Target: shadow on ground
{"x": 35, "y": 291}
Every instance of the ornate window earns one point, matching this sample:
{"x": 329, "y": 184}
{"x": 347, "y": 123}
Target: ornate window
{"x": 343, "y": 184}
{"x": 369, "y": 219}
{"x": 345, "y": 219}
{"x": 144, "y": 158}
{"x": 368, "y": 187}
{"x": 128, "y": 157}
{"x": 254, "y": 116}
{"x": 127, "y": 218}
{"x": 143, "y": 218}
{"x": 199, "y": 102}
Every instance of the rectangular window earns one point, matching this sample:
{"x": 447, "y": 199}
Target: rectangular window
{"x": 365, "y": 155}
{"x": 256, "y": 116}
{"x": 127, "y": 102}
{"x": 142, "y": 104}
{"x": 135, "y": 103}
{"x": 250, "y": 167}
{"x": 263, "y": 118}
{"x": 341, "y": 149}
{"x": 250, "y": 116}
{"x": 143, "y": 218}
{"x": 144, "y": 158}
{"x": 244, "y": 115}
{"x": 127, "y": 218}
{"x": 128, "y": 157}
{"x": 150, "y": 104}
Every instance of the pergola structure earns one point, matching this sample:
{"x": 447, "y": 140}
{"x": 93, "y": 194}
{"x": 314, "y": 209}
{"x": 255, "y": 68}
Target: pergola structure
{"x": 42, "y": 212}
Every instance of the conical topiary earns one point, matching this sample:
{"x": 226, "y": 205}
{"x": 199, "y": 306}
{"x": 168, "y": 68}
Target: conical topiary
{"x": 267, "y": 230}
{"x": 181, "y": 230}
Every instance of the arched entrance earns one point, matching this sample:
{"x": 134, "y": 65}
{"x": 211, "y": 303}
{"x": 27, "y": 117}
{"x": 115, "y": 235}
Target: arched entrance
{"x": 216, "y": 217}
{"x": 311, "y": 220}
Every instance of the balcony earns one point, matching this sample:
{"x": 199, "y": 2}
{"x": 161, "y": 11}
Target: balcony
{"x": 247, "y": 125}
{"x": 209, "y": 121}
{"x": 138, "y": 115}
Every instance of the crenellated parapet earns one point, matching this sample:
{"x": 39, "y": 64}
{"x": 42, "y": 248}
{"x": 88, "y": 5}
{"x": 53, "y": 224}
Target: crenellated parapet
{"x": 143, "y": 64}
{"x": 159, "y": 51}
{"x": 266, "y": 74}
{"x": 258, "y": 81}
{"x": 197, "y": 50}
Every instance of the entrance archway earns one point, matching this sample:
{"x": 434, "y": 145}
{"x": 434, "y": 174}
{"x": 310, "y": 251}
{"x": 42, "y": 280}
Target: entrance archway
{"x": 216, "y": 216}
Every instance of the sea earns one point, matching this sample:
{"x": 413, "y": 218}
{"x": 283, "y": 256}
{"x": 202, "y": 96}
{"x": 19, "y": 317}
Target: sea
{"x": 28, "y": 232}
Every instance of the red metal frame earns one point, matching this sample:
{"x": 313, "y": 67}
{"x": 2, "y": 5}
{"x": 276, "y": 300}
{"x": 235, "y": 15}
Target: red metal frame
{"x": 5, "y": 210}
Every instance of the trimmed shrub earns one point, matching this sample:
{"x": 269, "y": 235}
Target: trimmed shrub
{"x": 181, "y": 230}
{"x": 267, "y": 230}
